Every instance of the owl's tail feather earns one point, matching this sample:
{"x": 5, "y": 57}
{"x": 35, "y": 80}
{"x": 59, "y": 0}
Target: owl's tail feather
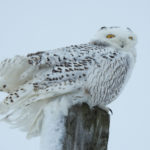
{"x": 26, "y": 111}
{"x": 3, "y": 111}
{"x": 36, "y": 125}
{"x": 24, "y": 108}
{"x": 27, "y": 118}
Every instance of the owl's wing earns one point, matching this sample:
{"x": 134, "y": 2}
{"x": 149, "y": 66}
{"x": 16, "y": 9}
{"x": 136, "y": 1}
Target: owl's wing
{"x": 19, "y": 70}
{"x": 23, "y": 106}
{"x": 54, "y": 72}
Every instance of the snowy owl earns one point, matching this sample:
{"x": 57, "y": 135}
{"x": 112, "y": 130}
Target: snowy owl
{"x": 95, "y": 72}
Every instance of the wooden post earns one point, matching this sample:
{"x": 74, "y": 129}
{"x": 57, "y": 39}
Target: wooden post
{"x": 86, "y": 129}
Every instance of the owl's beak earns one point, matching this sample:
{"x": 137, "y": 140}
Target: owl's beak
{"x": 122, "y": 44}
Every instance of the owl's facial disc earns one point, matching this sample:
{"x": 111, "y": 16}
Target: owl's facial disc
{"x": 120, "y": 38}
{"x": 120, "y": 41}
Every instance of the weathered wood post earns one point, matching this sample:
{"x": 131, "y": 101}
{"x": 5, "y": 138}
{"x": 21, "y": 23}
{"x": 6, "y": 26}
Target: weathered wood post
{"x": 86, "y": 129}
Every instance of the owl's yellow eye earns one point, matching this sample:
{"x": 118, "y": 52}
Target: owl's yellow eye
{"x": 109, "y": 36}
{"x": 130, "y": 37}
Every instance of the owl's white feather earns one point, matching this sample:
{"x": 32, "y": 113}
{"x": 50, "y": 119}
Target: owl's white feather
{"x": 95, "y": 72}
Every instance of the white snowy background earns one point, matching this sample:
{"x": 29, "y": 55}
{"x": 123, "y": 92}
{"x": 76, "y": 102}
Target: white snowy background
{"x": 32, "y": 25}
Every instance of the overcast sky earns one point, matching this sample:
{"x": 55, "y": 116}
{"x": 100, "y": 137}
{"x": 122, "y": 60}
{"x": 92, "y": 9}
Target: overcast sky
{"x": 33, "y": 25}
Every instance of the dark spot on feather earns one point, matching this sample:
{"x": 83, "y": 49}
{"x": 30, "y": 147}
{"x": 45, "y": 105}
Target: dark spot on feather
{"x": 114, "y": 53}
{"x": 30, "y": 61}
{"x": 104, "y": 57}
{"x": 4, "y": 86}
{"x": 64, "y": 58}
{"x": 55, "y": 71}
{"x": 129, "y": 29}
{"x": 87, "y": 91}
{"x": 67, "y": 64}
{"x": 66, "y": 70}
{"x": 38, "y": 53}
{"x": 70, "y": 69}
{"x": 59, "y": 59}
{"x": 103, "y": 28}
{"x": 59, "y": 68}
{"x": 111, "y": 56}
{"x": 16, "y": 95}
{"x": 35, "y": 83}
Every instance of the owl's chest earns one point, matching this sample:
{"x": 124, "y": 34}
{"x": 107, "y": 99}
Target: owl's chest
{"x": 105, "y": 82}
{"x": 98, "y": 77}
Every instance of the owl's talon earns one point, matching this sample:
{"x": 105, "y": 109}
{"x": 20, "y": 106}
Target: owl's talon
{"x": 110, "y": 110}
{"x": 107, "y": 109}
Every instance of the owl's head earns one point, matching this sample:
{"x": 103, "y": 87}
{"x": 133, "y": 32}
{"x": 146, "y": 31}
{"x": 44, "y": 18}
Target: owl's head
{"x": 118, "y": 37}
